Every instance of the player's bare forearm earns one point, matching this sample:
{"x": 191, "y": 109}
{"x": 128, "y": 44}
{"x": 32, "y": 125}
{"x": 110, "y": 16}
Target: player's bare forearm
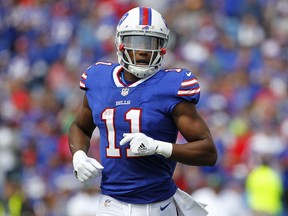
{"x": 81, "y": 129}
{"x": 197, "y": 153}
{"x": 78, "y": 140}
{"x": 200, "y": 149}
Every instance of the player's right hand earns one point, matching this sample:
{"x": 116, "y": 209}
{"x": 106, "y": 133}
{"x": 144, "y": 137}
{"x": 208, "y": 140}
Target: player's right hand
{"x": 85, "y": 167}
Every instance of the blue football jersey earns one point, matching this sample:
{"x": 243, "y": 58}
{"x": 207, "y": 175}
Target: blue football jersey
{"x": 144, "y": 106}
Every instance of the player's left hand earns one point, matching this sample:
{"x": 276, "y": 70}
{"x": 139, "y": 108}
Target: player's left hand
{"x": 140, "y": 144}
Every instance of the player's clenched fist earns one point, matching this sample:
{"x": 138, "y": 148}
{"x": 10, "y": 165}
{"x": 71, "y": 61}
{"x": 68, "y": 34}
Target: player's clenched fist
{"x": 140, "y": 144}
{"x": 85, "y": 167}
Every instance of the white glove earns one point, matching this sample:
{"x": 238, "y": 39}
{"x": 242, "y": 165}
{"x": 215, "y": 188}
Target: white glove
{"x": 142, "y": 145}
{"x": 85, "y": 167}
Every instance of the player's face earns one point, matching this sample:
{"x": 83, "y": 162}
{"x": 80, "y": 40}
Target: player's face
{"x": 140, "y": 57}
{"x": 142, "y": 42}
{"x": 141, "y": 48}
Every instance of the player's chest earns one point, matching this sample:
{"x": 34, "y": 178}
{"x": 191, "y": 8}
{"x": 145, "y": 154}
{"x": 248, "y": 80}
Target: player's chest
{"x": 119, "y": 98}
{"x": 124, "y": 103}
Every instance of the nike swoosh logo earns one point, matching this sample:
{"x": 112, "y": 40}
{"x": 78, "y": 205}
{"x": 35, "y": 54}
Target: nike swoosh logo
{"x": 188, "y": 74}
{"x": 164, "y": 207}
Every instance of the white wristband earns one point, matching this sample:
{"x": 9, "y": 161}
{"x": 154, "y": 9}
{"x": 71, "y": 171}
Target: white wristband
{"x": 164, "y": 148}
{"x": 78, "y": 156}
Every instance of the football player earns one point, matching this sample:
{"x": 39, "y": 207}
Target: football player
{"x": 139, "y": 108}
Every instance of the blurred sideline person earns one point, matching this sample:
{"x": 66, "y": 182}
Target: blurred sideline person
{"x": 13, "y": 200}
{"x": 139, "y": 109}
{"x": 264, "y": 190}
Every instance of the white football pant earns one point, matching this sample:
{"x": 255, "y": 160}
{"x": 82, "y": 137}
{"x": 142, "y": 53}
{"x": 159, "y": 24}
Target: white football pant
{"x": 109, "y": 206}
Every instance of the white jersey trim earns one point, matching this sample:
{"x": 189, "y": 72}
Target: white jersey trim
{"x": 118, "y": 81}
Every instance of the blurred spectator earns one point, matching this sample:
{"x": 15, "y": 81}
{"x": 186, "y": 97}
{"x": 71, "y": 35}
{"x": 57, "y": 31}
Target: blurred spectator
{"x": 264, "y": 190}
{"x": 250, "y": 33}
{"x": 14, "y": 202}
{"x": 221, "y": 197}
{"x": 83, "y": 203}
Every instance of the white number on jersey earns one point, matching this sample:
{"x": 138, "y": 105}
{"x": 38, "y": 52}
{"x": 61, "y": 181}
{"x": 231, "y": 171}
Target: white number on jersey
{"x": 133, "y": 116}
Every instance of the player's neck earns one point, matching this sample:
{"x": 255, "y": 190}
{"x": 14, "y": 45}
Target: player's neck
{"x": 128, "y": 77}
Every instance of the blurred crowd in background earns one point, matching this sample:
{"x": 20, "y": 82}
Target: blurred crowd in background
{"x": 237, "y": 49}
